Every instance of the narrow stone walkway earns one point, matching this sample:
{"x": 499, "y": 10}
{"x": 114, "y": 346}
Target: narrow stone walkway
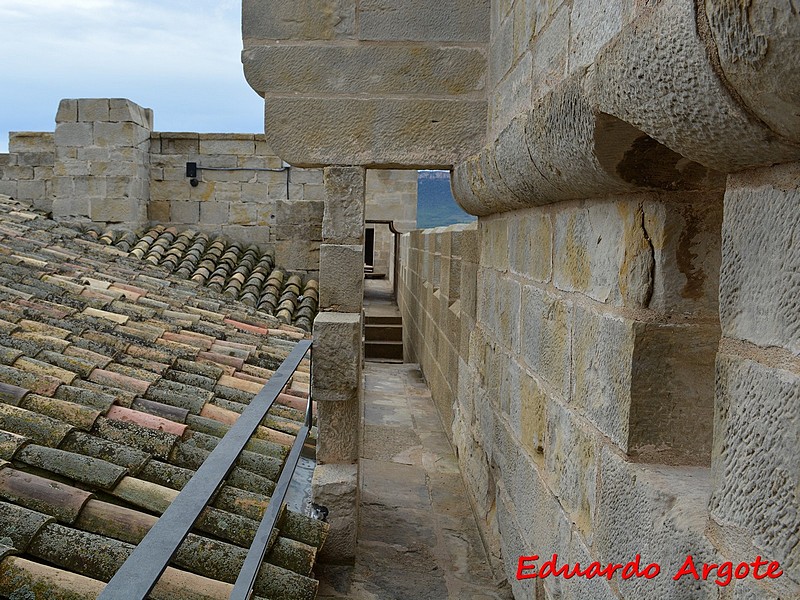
{"x": 417, "y": 537}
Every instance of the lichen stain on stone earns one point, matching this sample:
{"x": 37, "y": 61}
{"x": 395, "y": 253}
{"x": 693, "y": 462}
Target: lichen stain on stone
{"x": 695, "y": 276}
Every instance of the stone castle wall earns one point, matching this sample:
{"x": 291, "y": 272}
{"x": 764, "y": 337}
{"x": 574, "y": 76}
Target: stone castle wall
{"x": 609, "y": 369}
{"x": 625, "y": 380}
{"x": 104, "y": 162}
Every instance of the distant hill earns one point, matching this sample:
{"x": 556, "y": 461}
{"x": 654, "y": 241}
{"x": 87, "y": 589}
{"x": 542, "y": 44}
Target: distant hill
{"x": 436, "y": 206}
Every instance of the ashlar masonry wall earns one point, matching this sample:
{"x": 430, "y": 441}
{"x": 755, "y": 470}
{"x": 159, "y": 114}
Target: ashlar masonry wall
{"x": 236, "y": 194}
{"x": 608, "y": 395}
{"x": 104, "y": 162}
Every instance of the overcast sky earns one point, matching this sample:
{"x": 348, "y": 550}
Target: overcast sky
{"x": 179, "y": 57}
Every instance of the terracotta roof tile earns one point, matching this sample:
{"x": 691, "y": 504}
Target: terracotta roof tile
{"x": 149, "y": 421}
{"x": 121, "y": 397}
{"x": 39, "y": 368}
{"x": 157, "y": 443}
{"x": 10, "y": 443}
{"x": 159, "y": 409}
{"x": 96, "y": 359}
{"x": 104, "y": 314}
{"x": 86, "y": 470}
{"x": 118, "y": 454}
{"x": 77, "y": 415}
{"x": 39, "y": 428}
{"x": 42, "y": 495}
{"x": 91, "y": 398}
{"x": 20, "y": 525}
{"x": 112, "y": 379}
{"x": 12, "y": 394}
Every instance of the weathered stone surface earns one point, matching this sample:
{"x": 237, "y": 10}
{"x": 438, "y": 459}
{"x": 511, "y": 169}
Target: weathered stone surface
{"x": 343, "y": 221}
{"x": 305, "y": 20}
{"x": 336, "y": 375}
{"x": 753, "y": 42}
{"x": 653, "y": 511}
{"x": 530, "y": 240}
{"x": 546, "y": 331}
{"x": 423, "y": 132}
{"x": 339, "y": 424}
{"x": 341, "y": 277}
{"x": 377, "y": 70}
{"x": 571, "y": 457}
{"x": 755, "y": 491}
{"x": 336, "y": 488}
{"x": 647, "y": 387}
{"x": 563, "y": 149}
{"x": 759, "y": 289}
{"x": 423, "y": 20}
{"x": 667, "y": 87}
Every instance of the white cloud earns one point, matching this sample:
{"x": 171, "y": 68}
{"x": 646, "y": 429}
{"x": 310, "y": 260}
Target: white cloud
{"x": 181, "y": 58}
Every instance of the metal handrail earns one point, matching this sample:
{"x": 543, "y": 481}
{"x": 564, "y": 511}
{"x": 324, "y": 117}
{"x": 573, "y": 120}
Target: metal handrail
{"x": 139, "y": 574}
{"x": 243, "y": 588}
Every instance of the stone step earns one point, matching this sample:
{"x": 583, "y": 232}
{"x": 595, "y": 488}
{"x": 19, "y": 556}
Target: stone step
{"x": 383, "y": 320}
{"x": 383, "y": 350}
{"x": 383, "y": 333}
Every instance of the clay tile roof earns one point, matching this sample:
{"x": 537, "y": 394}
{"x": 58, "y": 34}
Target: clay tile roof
{"x": 118, "y": 376}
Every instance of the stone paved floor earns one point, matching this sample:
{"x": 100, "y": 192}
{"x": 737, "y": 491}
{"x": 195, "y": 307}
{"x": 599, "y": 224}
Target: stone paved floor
{"x": 417, "y": 539}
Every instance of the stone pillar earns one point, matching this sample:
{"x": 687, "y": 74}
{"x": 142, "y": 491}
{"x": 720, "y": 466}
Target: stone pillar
{"x": 337, "y": 370}
{"x": 102, "y": 160}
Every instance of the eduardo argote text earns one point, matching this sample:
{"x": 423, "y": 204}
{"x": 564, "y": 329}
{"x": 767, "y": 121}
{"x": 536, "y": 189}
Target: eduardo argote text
{"x": 722, "y": 574}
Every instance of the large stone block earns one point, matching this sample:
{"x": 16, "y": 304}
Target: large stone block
{"x": 494, "y": 243}
{"x": 341, "y": 278}
{"x": 179, "y": 143}
{"x": 412, "y": 132}
{"x": 759, "y": 287}
{"x": 339, "y": 424}
{"x": 549, "y": 51}
{"x": 31, "y": 141}
{"x": 648, "y": 387}
{"x": 67, "y": 111}
{"x": 660, "y": 513}
{"x": 343, "y": 221}
{"x": 592, "y": 25}
{"x": 424, "y": 20}
{"x": 74, "y": 134}
{"x": 532, "y": 414}
{"x": 602, "y": 250}
{"x": 336, "y": 488}
{"x": 303, "y": 20}
{"x": 511, "y": 96}
{"x": 120, "y": 134}
{"x": 336, "y": 374}
{"x": 117, "y": 210}
{"x": 184, "y": 212}
{"x": 308, "y": 69}
{"x": 579, "y": 588}
{"x": 124, "y": 111}
{"x": 571, "y": 457}
{"x": 755, "y": 469}
{"x": 244, "y": 147}
{"x": 530, "y": 241}
{"x": 547, "y": 326}
{"x": 93, "y": 109}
